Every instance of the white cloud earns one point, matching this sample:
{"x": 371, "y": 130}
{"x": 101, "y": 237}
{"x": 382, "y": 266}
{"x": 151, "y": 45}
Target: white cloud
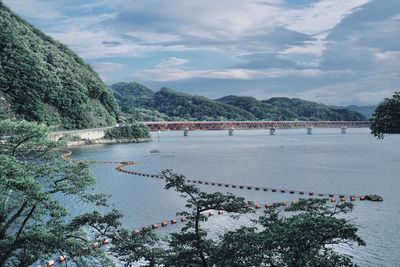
{"x": 171, "y": 62}
{"x": 173, "y": 69}
{"x": 107, "y": 66}
{"x": 36, "y": 9}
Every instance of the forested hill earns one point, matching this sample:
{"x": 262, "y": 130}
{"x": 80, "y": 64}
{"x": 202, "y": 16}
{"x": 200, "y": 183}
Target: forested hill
{"x": 167, "y": 104}
{"x": 42, "y": 80}
{"x": 141, "y": 103}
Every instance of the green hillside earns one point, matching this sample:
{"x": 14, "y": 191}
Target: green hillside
{"x": 260, "y": 110}
{"x": 307, "y": 110}
{"x": 367, "y": 111}
{"x": 45, "y": 81}
{"x": 167, "y": 104}
{"x": 139, "y": 102}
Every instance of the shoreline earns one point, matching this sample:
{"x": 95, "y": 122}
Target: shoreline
{"x": 86, "y": 142}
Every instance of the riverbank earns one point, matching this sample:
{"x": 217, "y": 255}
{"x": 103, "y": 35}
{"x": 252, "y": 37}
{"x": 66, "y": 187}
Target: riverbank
{"x": 107, "y": 141}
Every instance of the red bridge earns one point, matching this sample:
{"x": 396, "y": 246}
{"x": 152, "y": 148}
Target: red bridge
{"x": 224, "y": 125}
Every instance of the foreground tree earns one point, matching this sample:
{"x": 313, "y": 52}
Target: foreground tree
{"x": 304, "y": 234}
{"x": 35, "y": 224}
{"x": 307, "y": 238}
{"x": 386, "y": 118}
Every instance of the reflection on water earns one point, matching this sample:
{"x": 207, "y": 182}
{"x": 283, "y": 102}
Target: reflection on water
{"x": 326, "y": 161}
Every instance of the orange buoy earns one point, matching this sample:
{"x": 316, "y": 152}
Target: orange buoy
{"x": 164, "y": 223}
{"x": 50, "y": 263}
{"x": 106, "y": 242}
{"x": 61, "y": 258}
{"x": 173, "y": 221}
{"x": 154, "y": 226}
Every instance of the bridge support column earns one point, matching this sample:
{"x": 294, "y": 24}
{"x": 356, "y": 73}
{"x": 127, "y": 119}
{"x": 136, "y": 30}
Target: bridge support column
{"x": 343, "y": 130}
{"x": 272, "y": 131}
{"x": 230, "y": 131}
{"x": 309, "y": 130}
{"x": 186, "y": 132}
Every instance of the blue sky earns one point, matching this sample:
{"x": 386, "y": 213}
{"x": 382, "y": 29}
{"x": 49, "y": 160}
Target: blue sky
{"x": 332, "y": 51}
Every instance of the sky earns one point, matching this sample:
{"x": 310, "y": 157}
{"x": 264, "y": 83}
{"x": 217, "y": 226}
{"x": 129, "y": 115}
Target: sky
{"x": 336, "y": 52}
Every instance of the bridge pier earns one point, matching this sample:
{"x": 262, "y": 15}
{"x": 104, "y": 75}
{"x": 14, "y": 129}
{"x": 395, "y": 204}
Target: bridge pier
{"x": 230, "y": 131}
{"x": 309, "y": 130}
{"x": 344, "y": 130}
{"x": 272, "y": 131}
{"x": 186, "y": 132}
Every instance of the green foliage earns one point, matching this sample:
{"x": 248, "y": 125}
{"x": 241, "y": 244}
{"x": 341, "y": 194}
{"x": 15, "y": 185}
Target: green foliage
{"x": 34, "y": 223}
{"x": 307, "y": 238}
{"x": 45, "y": 81}
{"x": 173, "y": 103}
{"x": 386, "y": 118}
{"x": 132, "y": 131}
{"x": 138, "y": 101}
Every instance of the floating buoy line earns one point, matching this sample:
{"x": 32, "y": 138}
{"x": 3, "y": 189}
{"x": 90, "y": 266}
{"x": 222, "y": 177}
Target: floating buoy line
{"x": 122, "y": 165}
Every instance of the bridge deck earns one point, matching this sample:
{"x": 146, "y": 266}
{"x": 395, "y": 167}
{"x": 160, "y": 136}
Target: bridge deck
{"x": 222, "y": 125}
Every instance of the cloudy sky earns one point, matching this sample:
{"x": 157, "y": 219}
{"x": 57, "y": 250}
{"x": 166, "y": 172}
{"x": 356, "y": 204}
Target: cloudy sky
{"x": 332, "y": 51}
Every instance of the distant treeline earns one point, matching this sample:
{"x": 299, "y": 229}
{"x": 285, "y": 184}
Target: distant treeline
{"x": 140, "y": 103}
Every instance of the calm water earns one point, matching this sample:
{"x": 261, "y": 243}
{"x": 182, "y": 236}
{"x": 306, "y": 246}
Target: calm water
{"x": 326, "y": 161}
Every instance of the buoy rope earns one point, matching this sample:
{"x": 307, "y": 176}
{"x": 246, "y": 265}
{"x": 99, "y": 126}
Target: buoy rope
{"x": 334, "y": 197}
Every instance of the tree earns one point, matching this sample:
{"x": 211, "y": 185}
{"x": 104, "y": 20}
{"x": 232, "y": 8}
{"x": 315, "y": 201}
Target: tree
{"x": 190, "y": 246}
{"x": 34, "y": 222}
{"x": 307, "y": 238}
{"x": 386, "y": 118}
{"x": 303, "y": 234}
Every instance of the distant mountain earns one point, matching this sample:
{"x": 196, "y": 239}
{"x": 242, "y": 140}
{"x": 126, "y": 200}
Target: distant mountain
{"x": 262, "y": 111}
{"x": 140, "y": 102}
{"x": 367, "y": 111}
{"x": 42, "y": 80}
{"x": 307, "y": 110}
